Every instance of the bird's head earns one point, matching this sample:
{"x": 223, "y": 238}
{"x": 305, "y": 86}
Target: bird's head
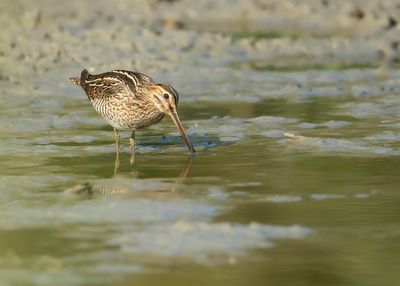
{"x": 166, "y": 98}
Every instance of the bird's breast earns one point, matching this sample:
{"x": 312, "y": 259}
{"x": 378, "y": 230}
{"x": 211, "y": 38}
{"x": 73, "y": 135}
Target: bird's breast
{"x": 127, "y": 113}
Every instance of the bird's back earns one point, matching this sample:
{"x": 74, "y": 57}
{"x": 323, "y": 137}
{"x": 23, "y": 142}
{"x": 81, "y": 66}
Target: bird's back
{"x": 120, "y": 97}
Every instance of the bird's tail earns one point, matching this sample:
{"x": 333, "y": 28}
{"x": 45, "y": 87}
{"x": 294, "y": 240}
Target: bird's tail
{"x": 79, "y": 81}
{"x": 75, "y": 80}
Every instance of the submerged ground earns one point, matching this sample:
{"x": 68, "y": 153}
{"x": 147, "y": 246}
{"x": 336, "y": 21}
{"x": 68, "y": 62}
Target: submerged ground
{"x": 293, "y": 108}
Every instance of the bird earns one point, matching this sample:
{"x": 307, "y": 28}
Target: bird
{"x": 130, "y": 100}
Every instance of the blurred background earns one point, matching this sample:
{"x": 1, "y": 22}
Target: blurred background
{"x": 293, "y": 107}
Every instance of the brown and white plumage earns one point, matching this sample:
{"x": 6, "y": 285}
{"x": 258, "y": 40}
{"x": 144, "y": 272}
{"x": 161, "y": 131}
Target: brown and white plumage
{"x": 131, "y": 100}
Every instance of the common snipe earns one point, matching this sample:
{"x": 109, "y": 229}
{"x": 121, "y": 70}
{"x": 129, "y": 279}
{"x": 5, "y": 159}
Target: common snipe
{"x": 131, "y": 100}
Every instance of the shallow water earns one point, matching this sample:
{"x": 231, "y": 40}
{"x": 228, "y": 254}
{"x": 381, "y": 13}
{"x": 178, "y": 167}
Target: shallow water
{"x": 295, "y": 181}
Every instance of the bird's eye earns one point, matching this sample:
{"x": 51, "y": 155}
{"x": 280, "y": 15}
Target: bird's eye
{"x": 166, "y": 95}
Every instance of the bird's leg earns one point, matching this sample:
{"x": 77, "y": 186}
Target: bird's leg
{"x": 116, "y": 164}
{"x": 116, "y": 136}
{"x": 132, "y": 140}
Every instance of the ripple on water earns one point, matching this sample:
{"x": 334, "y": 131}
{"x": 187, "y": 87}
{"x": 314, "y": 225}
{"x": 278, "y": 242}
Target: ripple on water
{"x": 282, "y": 199}
{"x": 331, "y": 124}
{"x": 115, "y": 211}
{"x": 319, "y": 197}
{"x": 338, "y": 146}
{"x": 230, "y": 129}
{"x": 386, "y": 136}
{"x": 201, "y": 241}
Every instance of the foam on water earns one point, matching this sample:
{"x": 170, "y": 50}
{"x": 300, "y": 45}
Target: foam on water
{"x": 202, "y": 241}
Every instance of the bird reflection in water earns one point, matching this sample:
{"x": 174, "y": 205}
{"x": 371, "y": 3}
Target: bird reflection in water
{"x": 89, "y": 189}
{"x": 168, "y": 188}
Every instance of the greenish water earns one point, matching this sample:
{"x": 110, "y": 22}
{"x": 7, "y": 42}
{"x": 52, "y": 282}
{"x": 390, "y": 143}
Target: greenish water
{"x": 146, "y": 225}
{"x": 295, "y": 180}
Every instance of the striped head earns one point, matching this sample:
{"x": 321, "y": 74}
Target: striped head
{"x": 166, "y": 98}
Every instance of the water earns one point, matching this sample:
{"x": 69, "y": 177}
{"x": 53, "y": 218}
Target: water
{"x": 295, "y": 181}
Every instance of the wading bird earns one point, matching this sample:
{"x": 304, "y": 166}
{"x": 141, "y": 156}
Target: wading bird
{"x": 131, "y": 100}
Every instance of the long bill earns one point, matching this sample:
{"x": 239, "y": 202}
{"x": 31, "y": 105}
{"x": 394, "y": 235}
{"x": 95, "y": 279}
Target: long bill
{"x": 178, "y": 124}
